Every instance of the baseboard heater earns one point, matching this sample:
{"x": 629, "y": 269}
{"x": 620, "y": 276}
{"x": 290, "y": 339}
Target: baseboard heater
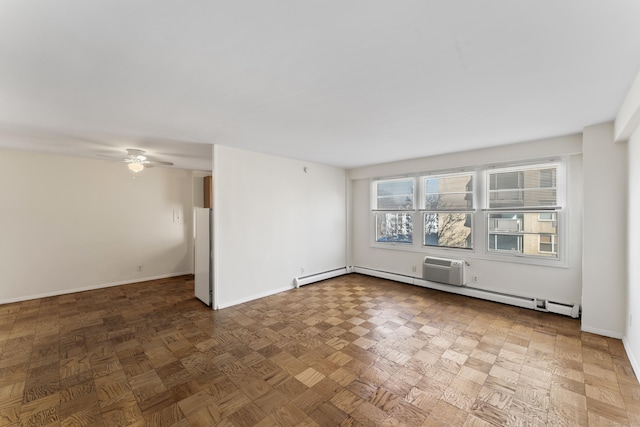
{"x": 312, "y": 278}
{"x": 518, "y": 301}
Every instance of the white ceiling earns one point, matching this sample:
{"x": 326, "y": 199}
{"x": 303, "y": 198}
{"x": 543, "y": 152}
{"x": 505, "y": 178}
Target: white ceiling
{"x": 340, "y": 82}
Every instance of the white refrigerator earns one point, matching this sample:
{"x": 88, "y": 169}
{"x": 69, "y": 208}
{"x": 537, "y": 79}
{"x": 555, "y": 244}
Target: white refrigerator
{"x": 203, "y": 263}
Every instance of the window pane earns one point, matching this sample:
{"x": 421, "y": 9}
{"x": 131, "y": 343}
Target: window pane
{"x": 545, "y": 244}
{"x": 394, "y": 194}
{"x": 505, "y": 242}
{"x": 547, "y": 216}
{"x": 532, "y": 188}
{"x": 394, "y": 227}
{"x": 452, "y": 192}
{"x": 451, "y": 230}
{"x": 395, "y": 202}
{"x": 528, "y": 233}
{"x": 505, "y": 180}
{"x": 540, "y": 197}
{"x": 511, "y": 199}
{"x": 448, "y": 201}
{"x": 547, "y": 177}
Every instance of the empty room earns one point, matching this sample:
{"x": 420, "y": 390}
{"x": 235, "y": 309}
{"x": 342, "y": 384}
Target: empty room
{"x": 355, "y": 213}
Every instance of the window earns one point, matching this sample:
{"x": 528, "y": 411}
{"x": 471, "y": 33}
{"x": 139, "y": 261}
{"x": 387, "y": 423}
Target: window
{"x": 526, "y": 188}
{"x": 547, "y": 244}
{"x": 521, "y": 233}
{"x": 522, "y": 211}
{"x": 393, "y": 210}
{"x": 448, "y": 210}
{"x": 514, "y": 211}
{"x": 505, "y": 243}
{"x": 394, "y": 194}
{"x": 394, "y": 227}
{"x": 546, "y": 216}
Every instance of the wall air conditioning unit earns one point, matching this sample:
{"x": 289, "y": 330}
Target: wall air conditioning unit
{"x": 441, "y": 270}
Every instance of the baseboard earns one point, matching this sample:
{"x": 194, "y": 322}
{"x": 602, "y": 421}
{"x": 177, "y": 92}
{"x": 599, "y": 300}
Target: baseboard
{"x": 92, "y": 287}
{"x": 313, "y": 278}
{"x": 632, "y": 357}
{"x": 252, "y": 297}
{"x": 603, "y": 332}
{"x": 384, "y": 275}
{"x": 297, "y": 282}
{"x": 518, "y": 301}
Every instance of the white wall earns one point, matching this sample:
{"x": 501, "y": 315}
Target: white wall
{"x": 559, "y": 284}
{"x": 627, "y": 124}
{"x": 71, "y": 224}
{"x": 605, "y": 232}
{"x": 628, "y": 117}
{"x": 271, "y": 219}
{"x": 632, "y": 333}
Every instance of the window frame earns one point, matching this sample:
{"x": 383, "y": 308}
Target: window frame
{"x": 393, "y": 242}
{"x": 519, "y": 239}
{"x": 376, "y": 212}
{"x": 558, "y": 208}
{"x": 375, "y": 198}
{"x": 559, "y": 196}
{"x": 479, "y": 234}
{"x": 428, "y": 210}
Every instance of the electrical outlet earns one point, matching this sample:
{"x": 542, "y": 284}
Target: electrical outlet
{"x": 413, "y": 268}
{"x": 301, "y": 270}
{"x": 140, "y": 267}
{"x": 475, "y": 279}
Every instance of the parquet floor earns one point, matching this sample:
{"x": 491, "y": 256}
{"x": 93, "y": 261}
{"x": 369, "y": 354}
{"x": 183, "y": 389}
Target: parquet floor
{"x": 350, "y": 351}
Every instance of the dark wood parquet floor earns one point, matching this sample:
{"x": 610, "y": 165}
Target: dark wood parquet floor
{"x": 350, "y": 351}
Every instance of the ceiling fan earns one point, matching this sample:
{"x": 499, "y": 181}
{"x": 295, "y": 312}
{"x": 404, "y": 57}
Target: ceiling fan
{"x": 137, "y": 161}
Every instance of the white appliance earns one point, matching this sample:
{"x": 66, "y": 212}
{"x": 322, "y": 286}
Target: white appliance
{"x": 203, "y": 271}
{"x": 441, "y": 270}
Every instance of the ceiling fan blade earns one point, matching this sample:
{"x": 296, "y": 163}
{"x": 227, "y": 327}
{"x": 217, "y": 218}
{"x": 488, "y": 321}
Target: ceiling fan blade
{"x": 110, "y": 157}
{"x": 158, "y": 163}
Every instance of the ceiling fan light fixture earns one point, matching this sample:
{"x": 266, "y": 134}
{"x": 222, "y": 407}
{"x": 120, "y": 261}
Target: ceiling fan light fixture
{"x": 137, "y": 162}
{"x": 136, "y": 167}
